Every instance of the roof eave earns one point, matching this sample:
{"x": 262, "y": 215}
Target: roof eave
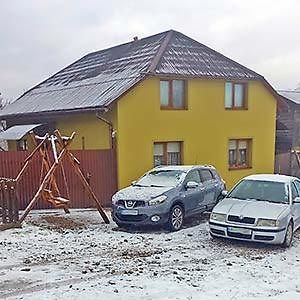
{"x": 281, "y": 104}
{"x": 53, "y": 112}
{"x": 170, "y": 75}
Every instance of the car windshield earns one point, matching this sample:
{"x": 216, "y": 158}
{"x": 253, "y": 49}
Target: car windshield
{"x": 260, "y": 190}
{"x": 161, "y": 178}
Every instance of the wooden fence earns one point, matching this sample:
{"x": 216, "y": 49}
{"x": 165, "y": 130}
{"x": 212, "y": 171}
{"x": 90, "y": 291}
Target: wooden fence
{"x": 286, "y": 163}
{"x": 98, "y": 166}
{"x": 9, "y": 210}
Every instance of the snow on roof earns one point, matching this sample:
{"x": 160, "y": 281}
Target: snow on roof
{"x": 293, "y": 96}
{"x": 271, "y": 177}
{"x": 17, "y": 132}
{"x": 101, "y": 77}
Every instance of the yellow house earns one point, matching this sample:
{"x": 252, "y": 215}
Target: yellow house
{"x": 164, "y": 99}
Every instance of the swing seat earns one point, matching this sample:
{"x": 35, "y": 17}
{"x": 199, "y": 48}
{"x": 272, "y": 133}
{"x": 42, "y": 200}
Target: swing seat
{"x": 56, "y": 201}
{"x": 61, "y": 200}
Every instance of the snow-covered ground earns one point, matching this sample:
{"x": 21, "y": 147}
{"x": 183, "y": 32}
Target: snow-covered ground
{"x": 55, "y": 256}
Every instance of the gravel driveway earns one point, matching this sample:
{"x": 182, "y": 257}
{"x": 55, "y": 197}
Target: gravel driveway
{"x": 55, "y": 256}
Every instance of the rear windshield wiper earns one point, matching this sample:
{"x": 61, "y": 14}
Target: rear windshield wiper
{"x": 155, "y": 185}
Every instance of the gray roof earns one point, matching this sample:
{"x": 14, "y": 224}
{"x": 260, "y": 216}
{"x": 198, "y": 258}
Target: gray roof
{"x": 17, "y": 132}
{"x": 99, "y": 78}
{"x": 293, "y": 96}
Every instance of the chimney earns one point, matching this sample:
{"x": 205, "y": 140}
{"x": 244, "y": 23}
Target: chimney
{"x": 135, "y": 38}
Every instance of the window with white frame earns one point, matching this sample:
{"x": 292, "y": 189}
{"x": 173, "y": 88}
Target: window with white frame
{"x": 172, "y": 94}
{"x": 239, "y": 151}
{"x": 235, "y": 95}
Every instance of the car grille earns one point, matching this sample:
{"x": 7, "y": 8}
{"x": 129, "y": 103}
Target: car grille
{"x": 131, "y": 203}
{"x": 217, "y": 231}
{"x": 129, "y": 218}
{"x": 264, "y": 237}
{"x": 244, "y": 220}
{"x": 239, "y": 235}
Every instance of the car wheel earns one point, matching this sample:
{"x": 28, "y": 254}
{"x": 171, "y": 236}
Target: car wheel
{"x": 124, "y": 226}
{"x": 176, "y": 218}
{"x": 289, "y": 234}
{"x": 212, "y": 235}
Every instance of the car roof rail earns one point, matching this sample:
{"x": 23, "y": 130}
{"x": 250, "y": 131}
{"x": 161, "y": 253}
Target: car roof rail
{"x": 208, "y": 166}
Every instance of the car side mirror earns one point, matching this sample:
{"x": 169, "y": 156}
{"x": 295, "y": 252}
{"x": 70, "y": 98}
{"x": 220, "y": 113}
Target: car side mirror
{"x": 133, "y": 182}
{"x": 296, "y": 200}
{"x": 191, "y": 185}
{"x": 224, "y": 193}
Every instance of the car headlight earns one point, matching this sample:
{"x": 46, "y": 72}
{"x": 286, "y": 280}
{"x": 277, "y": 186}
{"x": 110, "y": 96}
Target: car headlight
{"x": 218, "y": 217}
{"x": 158, "y": 200}
{"x": 267, "y": 223}
{"x": 114, "y": 199}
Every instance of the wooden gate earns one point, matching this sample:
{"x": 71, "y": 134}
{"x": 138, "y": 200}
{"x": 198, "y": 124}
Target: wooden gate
{"x": 98, "y": 166}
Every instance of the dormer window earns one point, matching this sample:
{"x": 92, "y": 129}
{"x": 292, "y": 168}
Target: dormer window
{"x": 172, "y": 94}
{"x": 235, "y": 95}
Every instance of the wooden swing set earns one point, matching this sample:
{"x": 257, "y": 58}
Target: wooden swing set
{"x": 48, "y": 190}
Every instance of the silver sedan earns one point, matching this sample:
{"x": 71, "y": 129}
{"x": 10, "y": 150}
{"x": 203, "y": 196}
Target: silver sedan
{"x": 260, "y": 208}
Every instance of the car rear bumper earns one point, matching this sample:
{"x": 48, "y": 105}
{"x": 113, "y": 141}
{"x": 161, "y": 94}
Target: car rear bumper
{"x": 254, "y": 234}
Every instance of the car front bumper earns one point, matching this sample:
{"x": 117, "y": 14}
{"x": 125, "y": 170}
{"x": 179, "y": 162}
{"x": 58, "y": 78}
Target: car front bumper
{"x": 143, "y": 216}
{"x": 246, "y": 233}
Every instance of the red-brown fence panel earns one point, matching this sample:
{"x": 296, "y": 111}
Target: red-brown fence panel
{"x": 98, "y": 166}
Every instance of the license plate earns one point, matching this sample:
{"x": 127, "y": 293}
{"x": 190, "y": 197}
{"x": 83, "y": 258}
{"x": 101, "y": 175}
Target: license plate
{"x": 130, "y": 212}
{"x": 239, "y": 230}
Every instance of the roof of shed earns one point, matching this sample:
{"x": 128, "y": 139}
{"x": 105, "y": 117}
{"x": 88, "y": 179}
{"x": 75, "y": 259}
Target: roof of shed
{"x": 101, "y": 77}
{"x": 17, "y": 132}
{"x": 293, "y": 96}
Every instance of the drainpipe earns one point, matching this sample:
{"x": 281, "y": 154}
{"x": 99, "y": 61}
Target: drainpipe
{"x": 111, "y": 129}
{"x": 112, "y": 134}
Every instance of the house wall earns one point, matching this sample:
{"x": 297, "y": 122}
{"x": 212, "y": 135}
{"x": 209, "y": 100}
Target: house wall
{"x": 204, "y": 128}
{"x": 91, "y": 132}
{"x": 12, "y": 145}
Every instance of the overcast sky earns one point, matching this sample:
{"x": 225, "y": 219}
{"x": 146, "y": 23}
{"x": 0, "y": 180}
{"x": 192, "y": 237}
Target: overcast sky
{"x": 39, "y": 37}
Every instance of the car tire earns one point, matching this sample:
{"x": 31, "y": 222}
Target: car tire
{"x": 176, "y": 218}
{"x": 212, "y": 235}
{"x": 289, "y": 234}
{"x": 124, "y": 226}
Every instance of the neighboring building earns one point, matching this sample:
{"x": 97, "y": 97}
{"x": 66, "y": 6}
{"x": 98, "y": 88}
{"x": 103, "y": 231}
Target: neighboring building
{"x": 165, "y": 99}
{"x": 288, "y": 121}
{"x": 288, "y": 132}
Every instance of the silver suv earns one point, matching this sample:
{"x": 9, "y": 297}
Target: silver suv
{"x": 166, "y": 195}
